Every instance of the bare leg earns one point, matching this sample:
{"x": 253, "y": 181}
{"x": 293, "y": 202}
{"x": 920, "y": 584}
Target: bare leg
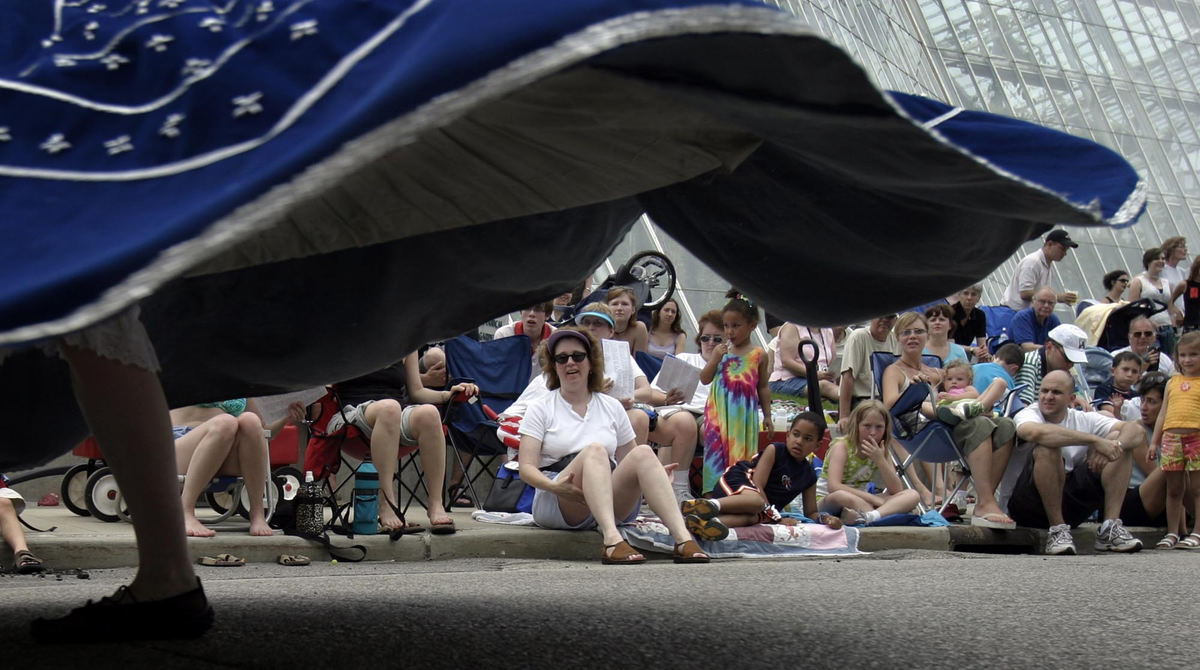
{"x": 127, "y": 412}
{"x": 641, "y": 425}
{"x": 14, "y": 537}
{"x": 1049, "y": 476}
{"x": 1176, "y": 483}
{"x": 1115, "y": 480}
{"x": 900, "y": 503}
{"x": 980, "y": 461}
{"x": 384, "y": 418}
{"x": 426, "y": 425}
{"x": 199, "y": 455}
{"x": 250, "y": 459}
{"x": 640, "y": 474}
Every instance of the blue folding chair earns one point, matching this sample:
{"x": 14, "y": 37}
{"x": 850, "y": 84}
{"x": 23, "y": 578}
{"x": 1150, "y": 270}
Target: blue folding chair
{"x": 933, "y": 441}
{"x": 500, "y": 368}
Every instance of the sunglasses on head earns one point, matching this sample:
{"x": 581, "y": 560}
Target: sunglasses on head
{"x": 712, "y": 338}
{"x": 577, "y": 356}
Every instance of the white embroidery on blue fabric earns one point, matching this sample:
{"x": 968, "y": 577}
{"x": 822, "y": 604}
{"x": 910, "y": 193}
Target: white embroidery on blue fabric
{"x": 97, "y": 8}
{"x": 170, "y": 127}
{"x": 143, "y": 7}
{"x": 297, "y": 109}
{"x": 304, "y": 29}
{"x": 247, "y": 104}
{"x": 213, "y": 24}
{"x": 89, "y": 31}
{"x": 119, "y": 145}
{"x": 114, "y": 61}
{"x": 159, "y": 42}
{"x": 4, "y": 134}
{"x": 64, "y": 61}
{"x": 195, "y": 67}
{"x": 170, "y": 4}
{"x": 55, "y": 143}
{"x": 229, "y": 52}
{"x": 264, "y": 9}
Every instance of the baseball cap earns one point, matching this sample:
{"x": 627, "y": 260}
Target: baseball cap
{"x": 1059, "y": 235}
{"x": 565, "y": 333}
{"x": 1073, "y": 341}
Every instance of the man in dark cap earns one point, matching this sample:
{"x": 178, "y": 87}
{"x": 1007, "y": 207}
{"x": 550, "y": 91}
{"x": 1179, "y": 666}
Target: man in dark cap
{"x": 1034, "y": 271}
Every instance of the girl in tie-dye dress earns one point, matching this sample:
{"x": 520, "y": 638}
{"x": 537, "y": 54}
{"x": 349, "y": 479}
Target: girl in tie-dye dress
{"x": 738, "y": 374}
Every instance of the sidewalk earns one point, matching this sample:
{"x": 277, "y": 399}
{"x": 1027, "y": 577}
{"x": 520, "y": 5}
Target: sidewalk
{"x": 84, "y": 542}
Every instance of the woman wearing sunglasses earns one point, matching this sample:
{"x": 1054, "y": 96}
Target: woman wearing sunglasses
{"x": 570, "y": 440}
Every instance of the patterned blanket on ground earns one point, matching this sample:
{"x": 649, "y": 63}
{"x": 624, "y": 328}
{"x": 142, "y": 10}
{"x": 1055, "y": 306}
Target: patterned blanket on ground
{"x": 762, "y": 540}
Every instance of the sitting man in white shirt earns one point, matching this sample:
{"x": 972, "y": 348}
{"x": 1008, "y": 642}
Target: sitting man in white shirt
{"x": 1067, "y": 465}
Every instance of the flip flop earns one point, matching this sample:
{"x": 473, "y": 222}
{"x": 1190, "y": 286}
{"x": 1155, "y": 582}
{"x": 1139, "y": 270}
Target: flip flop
{"x": 26, "y": 563}
{"x": 293, "y": 559}
{"x": 443, "y": 527}
{"x": 222, "y": 561}
{"x": 459, "y": 496}
{"x": 993, "y": 520}
{"x": 409, "y": 528}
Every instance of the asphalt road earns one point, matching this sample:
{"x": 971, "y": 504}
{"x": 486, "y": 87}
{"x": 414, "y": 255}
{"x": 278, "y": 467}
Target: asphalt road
{"x": 891, "y": 609}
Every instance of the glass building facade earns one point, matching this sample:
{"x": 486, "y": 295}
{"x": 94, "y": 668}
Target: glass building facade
{"x": 1125, "y": 73}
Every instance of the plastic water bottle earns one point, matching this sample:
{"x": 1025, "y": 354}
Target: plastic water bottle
{"x": 309, "y": 518}
{"x": 366, "y": 499}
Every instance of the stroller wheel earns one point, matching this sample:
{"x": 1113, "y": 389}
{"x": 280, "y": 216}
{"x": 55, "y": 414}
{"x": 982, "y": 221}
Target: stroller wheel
{"x": 74, "y": 489}
{"x": 655, "y": 271}
{"x": 101, "y": 495}
{"x": 287, "y": 481}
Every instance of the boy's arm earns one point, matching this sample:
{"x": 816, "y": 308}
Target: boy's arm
{"x": 994, "y": 393}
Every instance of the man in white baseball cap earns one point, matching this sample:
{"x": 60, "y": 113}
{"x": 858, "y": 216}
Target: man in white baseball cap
{"x": 1065, "y": 346}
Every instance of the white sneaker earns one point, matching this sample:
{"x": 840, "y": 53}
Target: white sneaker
{"x": 1114, "y": 536}
{"x": 1059, "y": 541}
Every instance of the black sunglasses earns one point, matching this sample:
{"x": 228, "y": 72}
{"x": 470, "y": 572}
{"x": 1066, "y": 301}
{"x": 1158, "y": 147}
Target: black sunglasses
{"x": 712, "y": 338}
{"x": 1143, "y": 333}
{"x": 577, "y": 356}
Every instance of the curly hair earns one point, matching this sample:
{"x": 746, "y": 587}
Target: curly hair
{"x": 595, "y": 360}
{"x": 740, "y": 304}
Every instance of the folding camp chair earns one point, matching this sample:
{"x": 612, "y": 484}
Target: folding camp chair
{"x": 933, "y": 441}
{"x": 327, "y": 451}
{"x": 500, "y": 369}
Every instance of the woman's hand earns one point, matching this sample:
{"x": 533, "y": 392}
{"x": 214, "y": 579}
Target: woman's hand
{"x": 606, "y": 386}
{"x": 297, "y": 413}
{"x": 829, "y": 520}
{"x": 674, "y": 397}
{"x": 627, "y": 403}
{"x": 468, "y": 389}
{"x": 565, "y": 487}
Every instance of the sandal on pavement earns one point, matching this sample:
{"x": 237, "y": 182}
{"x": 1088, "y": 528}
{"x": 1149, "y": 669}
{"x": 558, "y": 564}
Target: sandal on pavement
{"x": 1190, "y": 542}
{"x": 1168, "y": 541}
{"x": 293, "y": 559}
{"x": 26, "y": 563}
{"x": 709, "y": 530}
{"x": 442, "y": 527}
{"x": 701, "y": 507}
{"x": 993, "y": 520}
{"x": 121, "y": 617}
{"x": 686, "y": 552}
{"x": 222, "y": 561}
{"x": 622, "y": 553}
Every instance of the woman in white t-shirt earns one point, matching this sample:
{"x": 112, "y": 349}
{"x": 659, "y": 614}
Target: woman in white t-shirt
{"x": 570, "y": 439}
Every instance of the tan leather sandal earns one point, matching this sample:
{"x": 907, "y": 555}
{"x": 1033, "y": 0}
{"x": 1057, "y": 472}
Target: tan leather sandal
{"x": 622, "y": 554}
{"x": 686, "y": 552}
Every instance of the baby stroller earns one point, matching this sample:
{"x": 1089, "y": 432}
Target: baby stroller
{"x": 650, "y": 274}
{"x": 1113, "y": 322}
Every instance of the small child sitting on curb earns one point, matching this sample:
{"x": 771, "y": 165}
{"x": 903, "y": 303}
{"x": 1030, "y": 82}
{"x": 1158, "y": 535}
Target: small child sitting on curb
{"x": 11, "y": 506}
{"x": 754, "y": 491}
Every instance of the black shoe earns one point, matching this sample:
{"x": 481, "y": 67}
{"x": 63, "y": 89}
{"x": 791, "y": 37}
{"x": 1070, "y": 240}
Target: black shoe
{"x": 121, "y": 617}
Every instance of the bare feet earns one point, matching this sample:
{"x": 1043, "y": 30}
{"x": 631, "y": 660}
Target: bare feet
{"x": 388, "y": 519}
{"x": 195, "y": 528}
{"x": 439, "y": 518}
{"x": 260, "y": 528}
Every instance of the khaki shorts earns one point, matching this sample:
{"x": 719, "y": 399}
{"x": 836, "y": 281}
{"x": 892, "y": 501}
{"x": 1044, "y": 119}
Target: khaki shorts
{"x": 971, "y": 433}
{"x": 18, "y": 502}
{"x": 356, "y": 415}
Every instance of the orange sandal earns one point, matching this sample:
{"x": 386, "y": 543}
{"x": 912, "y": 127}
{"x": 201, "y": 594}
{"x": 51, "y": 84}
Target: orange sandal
{"x": 685, "y": 552}
{"x": 622, "y": 554}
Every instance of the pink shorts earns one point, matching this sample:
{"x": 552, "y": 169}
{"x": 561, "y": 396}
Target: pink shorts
{"x": 1180, "y": 452}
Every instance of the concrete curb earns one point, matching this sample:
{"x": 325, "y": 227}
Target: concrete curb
{"x": 86, "y": 543}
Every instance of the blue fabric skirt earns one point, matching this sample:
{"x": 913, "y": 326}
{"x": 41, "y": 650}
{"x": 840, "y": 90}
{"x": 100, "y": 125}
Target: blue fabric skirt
{"x": 301, "y": 192}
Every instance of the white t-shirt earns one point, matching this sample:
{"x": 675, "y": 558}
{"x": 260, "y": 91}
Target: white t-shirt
{"x": 1033, "y": 271}
{"x": 563, "y": 432}
{"x": 534, "y": 391}
{"x": 700, "y": 398}
{"x": 1092, "y": 423}
{"x": 1174, "y": 275}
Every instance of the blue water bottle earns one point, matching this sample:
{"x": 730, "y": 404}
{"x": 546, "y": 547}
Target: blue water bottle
{"x": 366, "y": 499}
